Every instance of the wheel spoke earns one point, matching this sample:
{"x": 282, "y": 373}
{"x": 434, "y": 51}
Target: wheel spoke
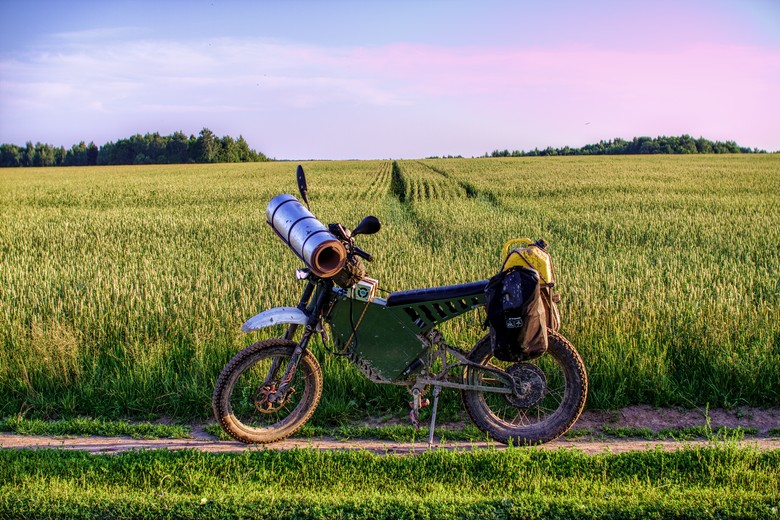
{"x": 520, "y": 418}
{"x": 558, "y": 395}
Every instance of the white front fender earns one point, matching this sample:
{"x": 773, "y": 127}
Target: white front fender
{"x": 275, "y": 316}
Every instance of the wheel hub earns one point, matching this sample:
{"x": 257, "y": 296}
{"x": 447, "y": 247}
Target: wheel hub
{"x": 530, "y": 383}
{"x": 268, "y": 400}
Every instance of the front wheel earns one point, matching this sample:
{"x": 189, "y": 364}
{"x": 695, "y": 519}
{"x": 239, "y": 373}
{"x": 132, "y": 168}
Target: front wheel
{"x": 246, "y": 400}
{"x": 550, "y": 396}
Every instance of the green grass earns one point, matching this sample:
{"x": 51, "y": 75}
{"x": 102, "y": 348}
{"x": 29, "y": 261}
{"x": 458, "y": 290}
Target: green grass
{"x": 216, "y": 430}
{"x": 345, "y": 432}
{"x": 713, "y": 482}
{"x": 577, "y": 433}
{"x": 692, "y": 432}
{"x": 122, "y": 289}
{"x": 396, "y": 433}
{"x": 623, "y": 432}
{"x": 101, "y": 427}
{"x": 679, "y": 434}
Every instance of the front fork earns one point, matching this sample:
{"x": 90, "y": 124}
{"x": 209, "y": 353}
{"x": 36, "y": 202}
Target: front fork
{"x": 315, "y": 313}
{"x": 304, "y": 301}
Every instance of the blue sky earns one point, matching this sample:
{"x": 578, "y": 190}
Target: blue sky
{"x": 350, "y": 79}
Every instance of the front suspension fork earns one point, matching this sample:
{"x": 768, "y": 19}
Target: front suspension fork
{"x": 302, "y": 303}
{"x": 323, "y": 296}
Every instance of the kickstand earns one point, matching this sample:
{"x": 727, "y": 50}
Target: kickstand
{"x": 436, "y": 390}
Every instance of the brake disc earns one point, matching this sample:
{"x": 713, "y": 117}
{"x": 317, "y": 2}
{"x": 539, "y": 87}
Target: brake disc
{"x": 531, "y": 385}
{"x": 267, "y": 399}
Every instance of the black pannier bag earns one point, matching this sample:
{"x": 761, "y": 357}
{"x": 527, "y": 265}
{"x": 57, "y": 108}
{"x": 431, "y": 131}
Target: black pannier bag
{"x": 516, "y": 315}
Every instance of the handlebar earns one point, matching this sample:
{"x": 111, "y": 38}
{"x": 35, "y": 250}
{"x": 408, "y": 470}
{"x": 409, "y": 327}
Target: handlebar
{"x": 362, "y": 254}
{"x": 348, "y": 238}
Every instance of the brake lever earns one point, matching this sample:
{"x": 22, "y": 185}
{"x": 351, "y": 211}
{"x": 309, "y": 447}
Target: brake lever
{"x": 362, "y": 254}
{"x": 340, "y": 231}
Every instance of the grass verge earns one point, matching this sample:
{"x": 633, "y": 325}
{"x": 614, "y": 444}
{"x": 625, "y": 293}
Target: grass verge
{"x": 680, "y": 434}
{"x": 396, "y": 433}
{"x": 723, "y": 481}
{"x": 86, "y": 426}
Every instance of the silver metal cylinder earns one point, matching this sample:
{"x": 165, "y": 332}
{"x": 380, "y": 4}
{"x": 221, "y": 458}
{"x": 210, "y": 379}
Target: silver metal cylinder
{"x": 322, "y": 252}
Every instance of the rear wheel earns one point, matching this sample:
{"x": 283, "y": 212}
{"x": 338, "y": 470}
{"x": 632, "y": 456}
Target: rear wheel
{"x": 550, "y": 396}
{"x": 246, "y": 401}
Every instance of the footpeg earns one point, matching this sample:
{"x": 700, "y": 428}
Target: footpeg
{"x": 423, "y": 403}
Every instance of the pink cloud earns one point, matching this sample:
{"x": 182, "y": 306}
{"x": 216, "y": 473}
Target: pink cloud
{"x": 526, "y": 96}
{"x": 445, "y": 71}
{"x": 721, "y": 91}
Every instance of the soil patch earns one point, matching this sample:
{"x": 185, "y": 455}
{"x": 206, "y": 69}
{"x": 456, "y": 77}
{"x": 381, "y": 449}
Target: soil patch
{"x": 642, "y": 416}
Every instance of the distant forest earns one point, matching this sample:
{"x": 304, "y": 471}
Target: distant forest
{"x": 178, "y": 148}
{"x": 138, "y": 149}
{"x": 685, "y": 144}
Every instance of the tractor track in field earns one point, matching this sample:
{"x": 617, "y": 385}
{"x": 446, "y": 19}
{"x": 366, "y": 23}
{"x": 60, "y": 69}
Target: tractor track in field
{"x": 761, "y": 420}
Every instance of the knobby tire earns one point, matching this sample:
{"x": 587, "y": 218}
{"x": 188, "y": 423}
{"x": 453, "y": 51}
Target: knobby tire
{"x": 235, "y": 398}
{"x": 556, "y": 412}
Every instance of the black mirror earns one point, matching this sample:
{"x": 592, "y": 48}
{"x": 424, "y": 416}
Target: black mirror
{"x": 367, "y": 226}
{"x": 302, "y": 184}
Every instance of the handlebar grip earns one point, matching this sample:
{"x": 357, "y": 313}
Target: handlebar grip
{"x": 362, "y": 254}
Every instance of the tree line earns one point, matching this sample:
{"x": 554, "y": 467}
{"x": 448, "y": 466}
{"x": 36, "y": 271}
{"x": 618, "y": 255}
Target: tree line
{"x": 151, "y": 148}
{"x": 685, "y": 144}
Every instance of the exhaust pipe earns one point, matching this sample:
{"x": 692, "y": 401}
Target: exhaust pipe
{"x": 319, "y": 249}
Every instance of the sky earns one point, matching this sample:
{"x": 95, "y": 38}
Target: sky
{"x": 350, "y": 79}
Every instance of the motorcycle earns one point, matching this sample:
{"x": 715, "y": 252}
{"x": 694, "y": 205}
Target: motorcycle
{"x": 271, "y": 388}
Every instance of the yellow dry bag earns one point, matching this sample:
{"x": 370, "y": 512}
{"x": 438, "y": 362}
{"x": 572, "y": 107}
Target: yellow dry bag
{"x": 525, "y": 253}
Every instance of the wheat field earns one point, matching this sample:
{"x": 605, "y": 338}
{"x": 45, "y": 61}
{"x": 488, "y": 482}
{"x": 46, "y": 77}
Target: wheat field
{"x": 123, "y": 289}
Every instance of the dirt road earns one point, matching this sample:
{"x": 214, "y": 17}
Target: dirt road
{"x": 119, "y": 444}
{"x": 762, "y": 420}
